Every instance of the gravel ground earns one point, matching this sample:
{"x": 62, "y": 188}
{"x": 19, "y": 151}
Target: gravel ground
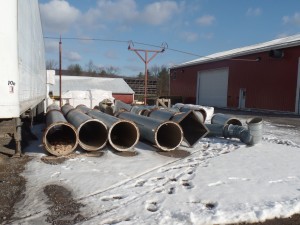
{"x": 12, "y": 184}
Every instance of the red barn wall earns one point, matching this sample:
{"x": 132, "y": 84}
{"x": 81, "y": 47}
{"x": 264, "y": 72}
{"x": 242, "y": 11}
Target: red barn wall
{"x": 270, "y": 83}
{"x": 127, "y": 98}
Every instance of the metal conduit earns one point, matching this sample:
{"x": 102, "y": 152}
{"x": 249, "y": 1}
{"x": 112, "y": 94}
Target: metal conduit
{"x": 121, "y": 107}
{"x": 166, "y": 135}
{"x": 250, "y": 136}
{"x": 199, "y": 112}
{"x": 223, "y": 119}
{"x": 60, "y": 137}
{"x": 92, "y": 133}
{"x": 123, "y": 135}
{"x": 140, "y": 110}
{"x": 193, "y": 128}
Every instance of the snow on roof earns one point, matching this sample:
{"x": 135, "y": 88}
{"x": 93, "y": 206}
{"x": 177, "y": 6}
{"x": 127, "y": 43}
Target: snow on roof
{"x": 81, "y": 83}
{"x": 280, "y": 43}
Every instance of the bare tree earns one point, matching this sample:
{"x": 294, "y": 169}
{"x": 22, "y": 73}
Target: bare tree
{"x": 75, "y": 69}
{"x": 51, "y": 64}
{"x": 112, "y": 70}
{"x": 154, "y": 70}
{"x": 92, "y": 68}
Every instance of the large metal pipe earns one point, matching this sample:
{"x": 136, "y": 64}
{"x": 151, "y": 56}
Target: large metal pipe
{"x": 123, "y": 135}
{"x": 193, "y": 127}
{"x": 220, "y": 118}
{"x": 106, "y": 107}
{"x": 92, "y": 133}
{"x": 140, "y": 110}
{"x": 166, "y": 135}
{"x": 60, "y": 137}
{"x": 121, "y": 107}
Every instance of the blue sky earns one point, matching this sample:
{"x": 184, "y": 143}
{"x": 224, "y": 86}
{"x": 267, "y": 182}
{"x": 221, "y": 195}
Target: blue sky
{"x": 201, "y": 27}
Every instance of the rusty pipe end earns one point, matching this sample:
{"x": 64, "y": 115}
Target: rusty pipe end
{"x": 92, "y": 135}
{"x": 168, "y": 136}
{"x": 123, "y": 135}
{"x": 60, "y": 138}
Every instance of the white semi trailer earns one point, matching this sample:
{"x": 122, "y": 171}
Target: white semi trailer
{"x": 22, "y": 68}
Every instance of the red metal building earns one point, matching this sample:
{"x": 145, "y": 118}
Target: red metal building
{"x": 262, "y": 76}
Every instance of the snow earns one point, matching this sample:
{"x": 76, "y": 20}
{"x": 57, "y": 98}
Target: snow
{"x": 218, "y": 181}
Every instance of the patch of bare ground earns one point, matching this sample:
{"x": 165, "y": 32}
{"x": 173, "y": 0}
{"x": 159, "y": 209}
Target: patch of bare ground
{"x": 64, "y": 210}
{"x": 293, "y": 220}
{"x": 12, "y": 185}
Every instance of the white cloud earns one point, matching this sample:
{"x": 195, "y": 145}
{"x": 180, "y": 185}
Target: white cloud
{"x": 295, "y": 19}
{"x": 205, "y": 20}
{"x": 58, "y": 15}
{"x": 108, "y": 10}
{"x": 254, "y": 12}
{"x": 73, "y": 56}
{"x": 158, "y": 13}
{"x": 189, "y": 36}
{"x": 126, "y": 12}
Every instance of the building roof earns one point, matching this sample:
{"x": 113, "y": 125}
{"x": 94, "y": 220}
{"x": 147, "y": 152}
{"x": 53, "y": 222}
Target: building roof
{"x": 280, "y": 43}
{"x": 81, "y": 83}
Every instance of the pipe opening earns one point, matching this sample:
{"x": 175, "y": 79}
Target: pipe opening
{"x": 60, "y": 139}
{"x": 169, "y": 136}
{"x": 193, "y": 129}
{"x": 234, "y": 121}
{"x": 123, "y": 136}
{"x": 92, "y": 135}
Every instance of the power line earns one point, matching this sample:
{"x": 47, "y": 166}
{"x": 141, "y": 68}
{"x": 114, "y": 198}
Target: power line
{"x": 163, "y": 46}
{"x": 123, "y": 41}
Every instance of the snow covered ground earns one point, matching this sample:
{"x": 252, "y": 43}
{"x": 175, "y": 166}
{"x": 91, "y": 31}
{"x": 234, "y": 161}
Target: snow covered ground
{"x": 218, "y": 181}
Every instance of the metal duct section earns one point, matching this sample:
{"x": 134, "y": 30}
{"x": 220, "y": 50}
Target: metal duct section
{"x": 223, "y": 119}
{"x": 255, "y": 126}
{"x": 140, "y": 110}
{"x": 92, "y": 133}
{"x": 121, "y": 107}
{"x": 166, "y": 135}
{"x": 123, "y": 135}
{"x": 192, "y": 127}
{"x": 250, "y": 136}
{"x": 199, "y": 112}
{"x": 106, "y": 107}
{"x": 60, "y": 137}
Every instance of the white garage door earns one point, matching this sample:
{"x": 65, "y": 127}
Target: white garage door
{"x": 212, "y": 87}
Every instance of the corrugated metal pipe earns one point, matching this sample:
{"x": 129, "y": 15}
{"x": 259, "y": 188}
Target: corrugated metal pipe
{"x": 92, "y": 133}
{"x": 60, "y": 137}
{"x": 166, "y": 135}
{"x": 223, "y": 119}
{"x": 192, "y": 127}
{"x": 123, "y": 135}
{"x": 250, "y": 136}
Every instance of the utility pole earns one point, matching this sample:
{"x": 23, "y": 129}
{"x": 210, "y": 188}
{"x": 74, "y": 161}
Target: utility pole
{"x": 60, "y": 100}
{"x": 146, "y": 61}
